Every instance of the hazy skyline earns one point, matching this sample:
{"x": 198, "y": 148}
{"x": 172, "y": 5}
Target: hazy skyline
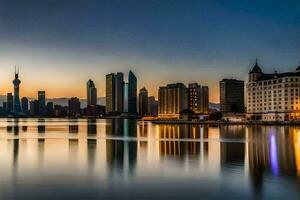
{"x": 59, "y": 45}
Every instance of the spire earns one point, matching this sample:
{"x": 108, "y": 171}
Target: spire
{"x": 256, "y": 61}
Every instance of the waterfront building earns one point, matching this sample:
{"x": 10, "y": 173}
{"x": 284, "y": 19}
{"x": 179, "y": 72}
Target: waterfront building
{"x": 25, "y": 102}
{"x": 74, "y": 107}
{"x": 10, "y": 103}
{"x": 91, "y": 93}
{"x": 132, "y": 93}
{"x": 232, "y": 96}
{"x": 16, "y": 100}
{"x": 4, "y": 106}
{"x": 125, "y": 105}
{"x": 198, "y": 98}
{"x": 172, "y": 100}
{"x": 42, "y": 103}
{"x": 152, "y": 106}
{"x": 110, "y": 93}
{"x": 119, "y": 92}
{"x": 33, "y": 107}
{"x": 273, "y": 96}
{"x": 143, "y": 102}
{"x": 50, "y": 109}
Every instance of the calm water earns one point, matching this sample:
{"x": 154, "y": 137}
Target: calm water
{"x": 59, "y": 158}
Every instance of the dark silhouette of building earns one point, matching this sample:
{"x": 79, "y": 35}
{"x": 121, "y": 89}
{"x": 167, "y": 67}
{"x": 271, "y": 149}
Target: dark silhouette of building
{"x": 143, "y": 102}
{"x": 198, "y": 98}
{"x": 33, "y": 107}
{"x": 10, "y": 103}
{"x": 42, "y": 103}
{"x": 25, "y": 102}
{"x": 60, "y": 111}
{"x": 50, "y": 109}
{"x": 232, "y": 96}
{"x": 172, "y": 99}
{"x": 152, "y": 106}
{"x": 74, "y": 107}
{"x": 132, "y": 93}
{"x": 94, "y": 111}
{"x": 91, "y": 93}
{"x": 16, "y": 105}
{"x": 4, "y": 108}
{"x": 110, "y": 93}
{"x": 119, "y": 92}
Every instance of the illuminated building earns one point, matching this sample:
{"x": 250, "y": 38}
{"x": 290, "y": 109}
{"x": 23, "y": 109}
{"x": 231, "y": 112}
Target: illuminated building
{"x": 273, "y": 97}
{"x": 172, "y": 99}
{"x": 143, "y": 102}
{"x": 198, "y": 98}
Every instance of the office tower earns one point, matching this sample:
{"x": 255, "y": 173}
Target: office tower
{"x": 10, "y": 103}
{"x": 125, "y": 104}
{"x": 132, "y": 93}
{"x": 42, "y": 103}
{"x": 50, "y": 109}
{"x": 16, "y": 105}
{"x": 4, "y": 106}
{"x": 273, "y": 96}
{"x": 74, "y": 107}
{"x": 172, "y": 99}
{"x": 24, "y": 102}
{"x": 198, "y": 98}
{"x": 232, "y": 96}
{"x": 110, "y": 93}
{"x": 91, "y": 93}
{"x": 119, "y": 92}
{"x": 152, "y": 106}
{"x": 143, "y": 102}
{"x": 33, "y": 107}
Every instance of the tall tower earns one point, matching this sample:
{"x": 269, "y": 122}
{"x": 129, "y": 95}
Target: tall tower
{"x": 17, "y": 106}
{"x": 91, "y": 93}
{"x": 132, "y": 93}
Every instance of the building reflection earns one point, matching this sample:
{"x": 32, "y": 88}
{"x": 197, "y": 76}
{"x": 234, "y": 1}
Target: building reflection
{"x": 73, "y": 126}
{"x": 41, "y": 126}
{"x": 92, "y": 126}
{"x": 91, "y": 151}
{"x": 121, "y": 128}
{"x": 143, "y": 129}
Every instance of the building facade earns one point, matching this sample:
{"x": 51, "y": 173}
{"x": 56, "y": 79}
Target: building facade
{"x": 42, "y": 103}
{"x": 17, "y": 105}
{"x": 25, "y": 102}
{"x": 172, "y": 99}
{"x": 10, "y": 103}
{"x": 91, "y": 93}
{"x": 198, "y": 98}
{"x": 143, "y": 102}
{"x": 232, "y": 96}
{"x": 119, "y": 92}
{"x": 273, "y": 97}
{"x": 74, "y": 107}
{"x": 132, "y": 93}
{"x": 152, "y": 106}
{"x": 110, "y": 93}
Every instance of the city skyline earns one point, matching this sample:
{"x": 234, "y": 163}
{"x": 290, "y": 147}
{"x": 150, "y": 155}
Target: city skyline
{"x": 59, "y": 47}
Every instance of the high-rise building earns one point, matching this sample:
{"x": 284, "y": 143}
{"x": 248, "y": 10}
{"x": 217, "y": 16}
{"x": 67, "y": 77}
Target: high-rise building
{"x": 74, "y": 107}
{"x": 152, "y": 106}
{"x": 10, "y": 103}
{"x": 198, "y": 98}
{"x": 110, "y": 93}
{"x": 119, "y": 92}
{"x": 91, "y": 93}
{"x": 4, "y": 106}
{"x": 232, "y": 96}
{"x": 132, "y": 93}
{"x": 143, "y": 102}
{"x": 273, "y": 96}
{"x": 42, "y": 103}
{"x": 33, "y": 107}
{"x": 24, "y": 102}
{"x": 125, "y": 104}
{"x": 172, "y": 99}
{"x": 16, "y": 105}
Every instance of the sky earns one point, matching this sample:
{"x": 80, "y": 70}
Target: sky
{"x": 60, "y": 44}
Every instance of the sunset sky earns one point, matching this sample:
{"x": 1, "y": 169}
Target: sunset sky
{"x": 59, "y": 45}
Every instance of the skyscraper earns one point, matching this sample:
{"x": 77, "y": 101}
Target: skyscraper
{"x": 16, "y": 82}
{"x": 119, "y": 92}
{"x": 232, "y": 96}
{"x": 24, "y": 102}
{"x": 172, "y": 99}
{"x": 143, "y": 102}
{"x": 110, "y": 93}
{"x": 91, "y": 93}
{"x": 152, "y": 106}
{"x": 132, "y": 93}
{"x": 10, "y": 103}
{"x": 42, "y": 103}
{"x": 198, "y": 98}
{"x": 125, "y": 104}
{"x": 33, "y": 107}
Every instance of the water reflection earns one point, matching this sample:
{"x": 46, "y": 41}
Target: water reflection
{"x": 252, "y": 161}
